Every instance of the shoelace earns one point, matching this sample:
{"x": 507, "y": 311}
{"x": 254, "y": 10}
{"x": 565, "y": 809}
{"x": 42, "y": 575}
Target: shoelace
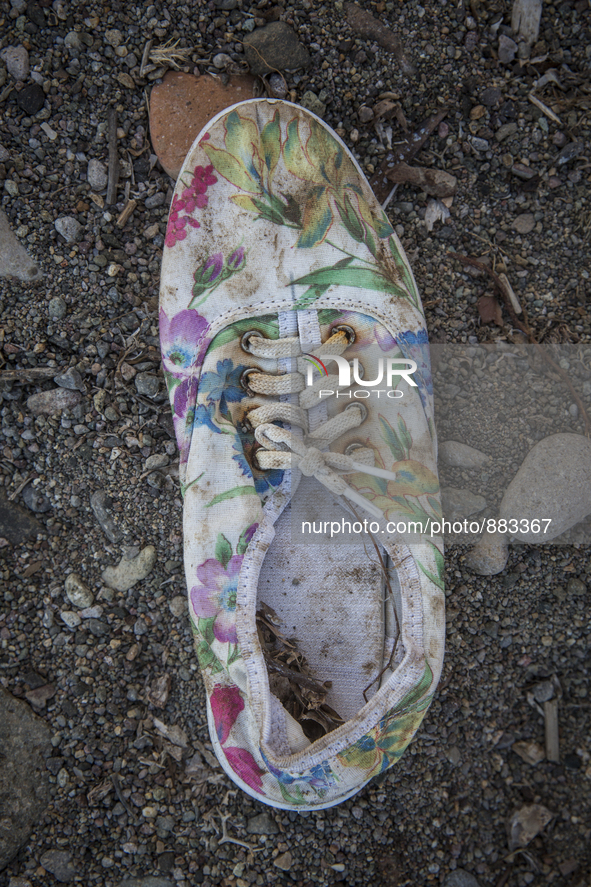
{"x": 280, "y": 447}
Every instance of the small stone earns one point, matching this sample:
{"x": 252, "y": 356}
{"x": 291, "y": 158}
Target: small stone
{"x": 275, "y": 48}
{"x": 178, "y": 605}
{"x": 150, "y": 880}
{"x": 277, "y": 85}
{"x": 57, "y": 308}
{"x": 480, "y": 144}
{"x": 97, "y": 628}
{"x": 553, "y": 484}
{"x": 526, "y": 823}
{"x": 284, "y": 861}
{"x": 77, "y": 592}
{"x": 221, "y": 60}
{"x": 182, "y": 105}
{"x": 101, "y": 506}
{"x": 460, "y": 455}
{"x": 453, "y": 755}
{"x": 97, "y": 175}
{"x": 35, "y": 500}
{"x": 31, "y": 99}
{"x": 128, "y": 572}
{"x": 69, "y": 228}
{"x": 530, "y": 752}
{"x": 59, "y": 864}
{"x": 460, "y": 878}
{"x": 262, "y": 824}
{"x": 39, "y": 696}
{"x": 73, "y": 40}
{"x": 312, "y": 103}
{"x": 507, "y": 49}
{"x": 155, "y": 200}
{"x": 53, "y": 402}
{"x": 147, "y": 384}
{"x": 504, "y": 131}
{"x": 14, "y": 259}
{"x": 16, "y": 59}
{"x": 16, "y": 523}
{"x": 70, "y": 379}
{"x": 490, "y": 554}
{"x": 158, "y": 460}
{"x": 71, "y": 618}
{"x": 576, "y": 587}
{"x": 114, "y": 37}
{"x": 524, "y": 223}
{"x": 365, "y": 114}
{"x": 491, "y": 96}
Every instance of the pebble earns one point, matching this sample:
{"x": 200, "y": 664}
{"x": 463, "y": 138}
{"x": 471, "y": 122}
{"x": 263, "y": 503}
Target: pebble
{"x": 77, "y": 592}
{"x": 101, "y": 506}
{"x": 262, "y": 824}
{"x": 149, "y": 881}
{"x": 284, "y": 861}
{"x": 128, "y": 572}
{"x": 16, "y": 59}
{"x": 14, "y": 259}
{"x": 69, "y": 228}
{"x": 155, "y": 200}
{"x": 221, "y": 60}
{"x": 59, "y": 864}
{"x": 458, "y": 504}
{"x": 275, "y": 48}
{"x": 97, "y": 175}
{"x": 504, "y": 131}
{"x": 576, "y": 587}
{"x": 491, "y": 96}
{"x": 31, "y": 99}
{"x": 490, "y": 554}
{"x": 178, "y": 605}
{"x": 114, "y": 37}
{"x": 182, "y": 105}
{"x": 524, "y": 223}
{"x": 70, "y": 379}
{"x": 147, "y": 384}
{"x": 53, "y": 402}
{"x": 16, "y": 523}
{"x": 460, "y": 455}
{"x": 507, "y": 49}
{"x": 553, "y": 482}
{"x": 24, "y": 786}
{"x": 71, "y": 618}
{"x": 277, "y": 85}
{"x": 313, "y": 103}
{"x": 57, "y": 308}
{"x": 35, "y": 500}
{"x": 460, "y": 878}
{"x": 158, "y": 460}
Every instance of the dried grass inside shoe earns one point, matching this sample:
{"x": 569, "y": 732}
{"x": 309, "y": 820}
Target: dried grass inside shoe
{"x": 320, "y": 646}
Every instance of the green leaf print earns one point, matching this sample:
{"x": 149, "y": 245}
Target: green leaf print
{"x": 223, "y": 550}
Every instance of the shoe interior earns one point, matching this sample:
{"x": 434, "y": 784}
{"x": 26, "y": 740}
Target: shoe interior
{"x": 333, "y": 602}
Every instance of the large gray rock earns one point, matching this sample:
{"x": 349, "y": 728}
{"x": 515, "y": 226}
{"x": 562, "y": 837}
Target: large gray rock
{"x": 553, "y": 482}
{"x": 24, "y": 785}
{"x": 14, "y": 259}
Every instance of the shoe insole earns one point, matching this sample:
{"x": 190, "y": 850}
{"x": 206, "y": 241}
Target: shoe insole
{"x": 330, "y": 597}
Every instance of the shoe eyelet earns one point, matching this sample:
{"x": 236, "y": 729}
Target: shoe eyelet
{"x": 360, "y": 368}
{"x": 347, "y": 330}
{"x": 245, "y": 383}
{"x": 350, "y": 448}
{"x": 245, "y": 340}
{"x": 361, "y": 407}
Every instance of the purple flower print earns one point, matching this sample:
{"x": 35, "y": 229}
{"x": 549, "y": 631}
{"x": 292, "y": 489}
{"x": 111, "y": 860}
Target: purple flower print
{"x": 179, "y": 336}
{"x": 216, "y": 596}
{"x": 226, "y": 705}
{"x": 237, "y": 259}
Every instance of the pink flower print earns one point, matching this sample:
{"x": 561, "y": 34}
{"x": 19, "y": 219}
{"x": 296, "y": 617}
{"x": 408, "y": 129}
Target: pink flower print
{"x": 192, "y": 198}
{"x": 244, "y": 766}
{"x": 216, "y": 596}
{"x": 226, "y": 705}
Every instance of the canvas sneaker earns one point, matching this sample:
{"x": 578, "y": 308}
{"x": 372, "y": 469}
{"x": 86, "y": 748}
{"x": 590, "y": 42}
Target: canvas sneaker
{"x": 286, "y": 306}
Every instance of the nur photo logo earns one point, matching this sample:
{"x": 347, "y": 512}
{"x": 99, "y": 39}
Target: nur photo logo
{"x": 390, "y": 371}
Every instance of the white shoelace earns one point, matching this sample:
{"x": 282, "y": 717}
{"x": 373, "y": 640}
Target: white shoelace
{"x": 281, "y": 448}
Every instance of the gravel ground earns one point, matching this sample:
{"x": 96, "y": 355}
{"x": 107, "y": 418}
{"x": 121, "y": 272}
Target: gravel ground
{"x": 129, "y": 801}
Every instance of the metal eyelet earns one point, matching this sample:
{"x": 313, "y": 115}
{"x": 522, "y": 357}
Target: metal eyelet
{"x": 244, "y": 380}
{"x": 352, "y": 447}
{"x": 361, "y": 406}
{"x": 360, "y": 368}
{"x": 347, "y": 330}
{"x": 245, "y": 340}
